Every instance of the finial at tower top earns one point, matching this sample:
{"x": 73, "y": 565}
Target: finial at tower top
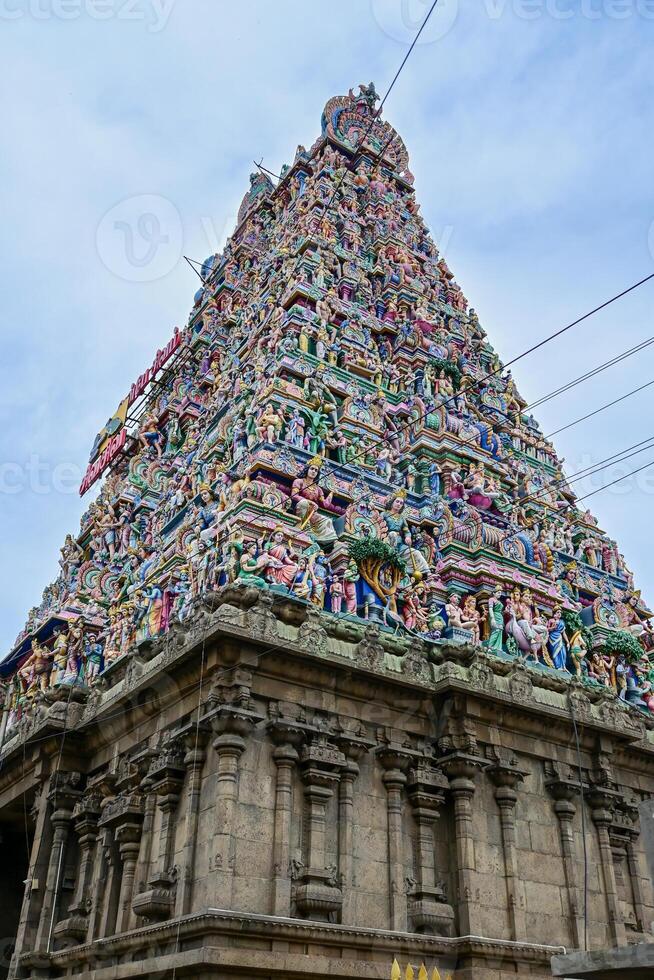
{"x": 354, "y": 123}
{"x": 366, "y": 98}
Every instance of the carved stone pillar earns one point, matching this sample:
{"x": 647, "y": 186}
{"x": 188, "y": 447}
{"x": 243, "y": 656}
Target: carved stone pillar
{"x": 602, "y": 801}
{"x": 230, "y": 725}
{"x": 195, "y": 741}
{"x": 353, "y": 748}
{"x": 395, "y": 763}
{"x": 461, "y": 769}
{"x": 428, "y": 908}
{"x": 564, "y": 792}
{"x": 128, "y": 838}
{"x": 124, "y": 817}
{"x": 317, "y": 893}
{"x": 38, "y": 861}
{"x": 106, "y": 868}
{"x": 287, "y": 738}
{"x": 85, "y": 819}
{"x": 143, "y": 761}
{"x": 166, "y": 774}
{"x": 623, "y": 834}
{"x": 506, "y": 778}
{"x": 63, "y": 796}
{"x": 636, "y": 886}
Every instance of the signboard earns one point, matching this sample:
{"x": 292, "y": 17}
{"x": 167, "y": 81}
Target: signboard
{"x": 160, "y": 359}
{"x": 112, "y": 427}
{"x": 111, "y": 439}
{"x": 113, "y": 447}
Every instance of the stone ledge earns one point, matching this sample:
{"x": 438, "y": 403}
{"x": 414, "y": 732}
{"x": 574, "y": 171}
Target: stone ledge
{"x": 224, "y": 925}
{"x": 631, "y": 962}
{"x": 262, "y": 619}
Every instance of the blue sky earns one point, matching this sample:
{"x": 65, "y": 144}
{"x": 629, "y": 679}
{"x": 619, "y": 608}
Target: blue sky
{"x": 528, "y": 124}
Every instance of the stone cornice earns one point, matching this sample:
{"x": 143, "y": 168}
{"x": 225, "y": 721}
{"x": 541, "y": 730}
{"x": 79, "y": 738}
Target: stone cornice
{"x": 211, "y": 922}
{"x": 530, "y": 694}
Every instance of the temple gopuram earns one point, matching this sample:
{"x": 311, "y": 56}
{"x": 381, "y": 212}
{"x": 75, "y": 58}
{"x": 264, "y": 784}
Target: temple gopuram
{"x": 338, "y": 670}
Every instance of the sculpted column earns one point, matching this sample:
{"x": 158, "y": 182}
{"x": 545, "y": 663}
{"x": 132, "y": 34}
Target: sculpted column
{"x": 564, "y": 792}
{"x": 63, "y": 796}
{"x": 85, "y": 817}
{"x": 428, "y": 908}
{"x": 29, "y": 913}
{"x": 287, "y": 738}
{"x": 632, "y": 834}
{"x": 166, "y": 775}
{"x": 124, "y": 817}
{"x": 105, "y": 862}
{"x": 317, "y": 894}
{"x": 195, "y": 741}
{"x": 395, "y": 763}
{"x": 602, "y": 801}
{"x": 461, "y": 769}
{"x": 143, "y": 761}
{"x": 353, "y": 748}
{"x": 230, "y": 725}
{"x": 506, "y": 778}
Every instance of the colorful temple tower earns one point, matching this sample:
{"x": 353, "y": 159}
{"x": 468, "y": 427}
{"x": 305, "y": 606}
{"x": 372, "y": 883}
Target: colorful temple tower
{"x": 334, "y": 586}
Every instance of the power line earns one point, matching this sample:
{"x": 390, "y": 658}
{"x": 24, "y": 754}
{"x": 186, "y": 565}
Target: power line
{"x": 602, "y": 408}
{"x": 375, "y": 113}
{"x": 582, "y": 475}
{"x": 591, "y": 374}
{"x": 617, "y": 359}
{"x": 580, "y": 319}
{"x": 619, "y": 480}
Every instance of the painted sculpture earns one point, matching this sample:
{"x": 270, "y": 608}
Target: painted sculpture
{"x": 332, "y": 425}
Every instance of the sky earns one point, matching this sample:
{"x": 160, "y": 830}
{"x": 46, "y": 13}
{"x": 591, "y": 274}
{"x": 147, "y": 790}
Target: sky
{"x": 130, "y": 128}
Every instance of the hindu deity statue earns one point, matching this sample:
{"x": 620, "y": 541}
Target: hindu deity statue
{"x": 284, "y": 570}
{"x": 399, "y": 536}
{"x": 309, "y": 497}
{"x": 556, "y": 642}
{"x": 457, "y": 618}
{"x": 495, "y": 619}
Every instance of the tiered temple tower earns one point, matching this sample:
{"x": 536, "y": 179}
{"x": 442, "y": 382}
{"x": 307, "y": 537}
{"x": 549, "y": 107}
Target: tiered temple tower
{"x": 336, "y": 669}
